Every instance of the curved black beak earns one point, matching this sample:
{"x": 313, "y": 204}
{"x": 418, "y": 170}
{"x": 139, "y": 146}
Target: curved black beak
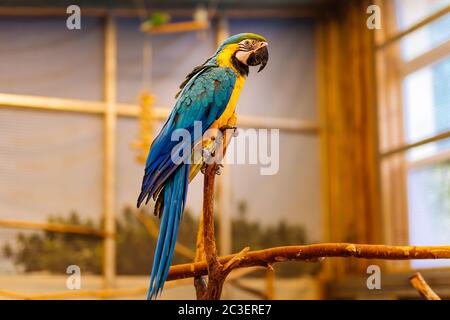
{"x": 259, "y": 57}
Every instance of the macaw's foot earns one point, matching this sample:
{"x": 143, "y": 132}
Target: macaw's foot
{"x": 206, "y": 154}
{"x": 228, "y": 127}
{"x": 203, "y": 168}
{"x": 218, "y": 169}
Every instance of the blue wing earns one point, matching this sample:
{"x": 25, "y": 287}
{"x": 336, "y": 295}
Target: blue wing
{"x": 203, "y": 98}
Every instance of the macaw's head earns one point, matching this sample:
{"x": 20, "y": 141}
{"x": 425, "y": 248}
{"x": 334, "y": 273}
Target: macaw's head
{"x": 244, "y": 50}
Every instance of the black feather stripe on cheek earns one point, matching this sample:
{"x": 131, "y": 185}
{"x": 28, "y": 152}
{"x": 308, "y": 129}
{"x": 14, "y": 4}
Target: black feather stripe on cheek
{"x": 240, "y": 67}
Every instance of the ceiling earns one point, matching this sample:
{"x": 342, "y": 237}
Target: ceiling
{"x": 179, "y": 4}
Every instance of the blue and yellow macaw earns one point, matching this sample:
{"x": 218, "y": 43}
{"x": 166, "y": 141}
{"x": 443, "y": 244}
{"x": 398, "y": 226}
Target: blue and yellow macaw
{"x": 208, "y": 95}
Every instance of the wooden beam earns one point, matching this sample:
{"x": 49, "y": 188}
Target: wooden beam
{"x": 439, "y": 157}
{"x": 348, "y": 139}
{"x": 429, "y": 19}
{"x": 31, "y": 11}
{"x": 134, "y": 111}
{"x": 299, "y": 12}
{"x": 8, "y": 100}
{"x": 255, "y": 13}
{"x": 51, "y": 104}
{"x": 175, "y": 27}
{"x": 108, "y": 292}
{"x": 324, "y": 93}
{"x": 110, "y": 119}
{"x": 52, "y": 226}
{"x": 426, "y": 59}
{"x": 77, "y": 294}
{"x": 393, "y": 173}
{"x": 246, "y": 121}
{"x": 285, "y": 124}
{"x": 409, "y": 146}
{"x": 158, "y": 113}
{"x": 224, "y": 199}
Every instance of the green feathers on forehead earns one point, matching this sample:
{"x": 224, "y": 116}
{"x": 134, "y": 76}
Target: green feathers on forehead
{"x": 242, "y": 36}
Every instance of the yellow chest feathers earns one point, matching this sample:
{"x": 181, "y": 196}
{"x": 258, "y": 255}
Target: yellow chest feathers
{"x": 231, "y": 106}
{"x": 224, "y": 60}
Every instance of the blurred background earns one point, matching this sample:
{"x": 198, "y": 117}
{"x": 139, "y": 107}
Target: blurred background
{"x": 364, "y": 119}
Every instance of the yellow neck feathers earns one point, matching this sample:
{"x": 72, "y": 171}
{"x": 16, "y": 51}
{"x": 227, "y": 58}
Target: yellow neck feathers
{"x": 224, "y": 57}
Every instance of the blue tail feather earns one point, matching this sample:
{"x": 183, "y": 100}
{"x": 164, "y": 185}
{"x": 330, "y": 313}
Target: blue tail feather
{"x": 175, "y": 190}
{"x": 158, "y": 250}
{"x": 157, "y": 171}
{"x": 179, "y": 207}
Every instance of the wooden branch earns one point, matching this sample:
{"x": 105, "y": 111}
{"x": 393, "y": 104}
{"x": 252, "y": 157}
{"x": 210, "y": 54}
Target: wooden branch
{"x": 199, "y": 244}
{"x": 315, "y": 252}
{"x": 217, "y": 272}
{"x": 236, "y": 259}
{"x": 422, "y": 286}
{"x": 200, "y": 281}
{"x": 216, "y": 275}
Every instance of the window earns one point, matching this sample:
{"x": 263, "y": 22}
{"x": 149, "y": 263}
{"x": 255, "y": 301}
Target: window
{"x": 414, "y": 117}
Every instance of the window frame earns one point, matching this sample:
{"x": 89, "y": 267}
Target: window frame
{"x": 391, "y": 71}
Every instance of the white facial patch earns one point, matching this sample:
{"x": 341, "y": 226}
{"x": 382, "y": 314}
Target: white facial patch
{"x": 242, "y": 56}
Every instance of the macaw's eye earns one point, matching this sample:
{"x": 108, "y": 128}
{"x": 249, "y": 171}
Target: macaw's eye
{"x": 246, "y": 42}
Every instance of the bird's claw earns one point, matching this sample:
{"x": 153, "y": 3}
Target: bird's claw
{"x": 219, "y": 169}
{"x": 227, "y": 127}
{"x": 208, "y": 154}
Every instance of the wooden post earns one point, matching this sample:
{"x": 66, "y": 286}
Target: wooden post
{"x": 222, "y": 31}
{"x": 348, "y": 131}
{"x": 224, "y": 183}
{"x": 109, "y": 251}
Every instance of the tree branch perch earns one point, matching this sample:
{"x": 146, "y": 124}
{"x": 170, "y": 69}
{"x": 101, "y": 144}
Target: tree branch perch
{"x": 218, "y": 268}
{"x": 200, "y": 282}
{"x": 216, "y": 272}
{"x": 315, "y": 251}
